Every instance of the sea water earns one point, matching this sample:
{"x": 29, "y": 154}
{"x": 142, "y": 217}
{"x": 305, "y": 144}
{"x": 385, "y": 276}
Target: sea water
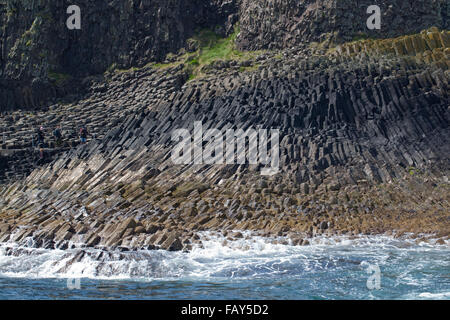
{"x": 377, "y": 267}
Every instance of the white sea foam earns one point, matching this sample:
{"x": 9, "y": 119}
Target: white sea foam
{"x": 428, "y": 295}
{"x": 420, "y": 269}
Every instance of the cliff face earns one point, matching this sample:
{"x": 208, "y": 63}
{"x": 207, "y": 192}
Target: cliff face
{"x": 364, "y": 148}
{"x": 364, "y": 126}
{"x": 41, "y": 58}
{"x": 284, "y": 23}
{"x": 40, "y": 55}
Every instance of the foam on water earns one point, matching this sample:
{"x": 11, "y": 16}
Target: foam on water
{"x": 329, "y": 264}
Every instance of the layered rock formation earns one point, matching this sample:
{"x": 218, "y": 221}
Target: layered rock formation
{"x": 42, "y": 59}
{"x": 281, "y": 24}
{"x": 364, "y": 136}
{"x": 18, "y": 128}
{"x": 364, "y": 149}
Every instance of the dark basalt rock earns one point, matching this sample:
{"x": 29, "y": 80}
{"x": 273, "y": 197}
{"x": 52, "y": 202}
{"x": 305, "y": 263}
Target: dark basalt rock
{"x": 41, "y": 57}
{"x": 286, "y": 23}
{"x": 352, "y": 118}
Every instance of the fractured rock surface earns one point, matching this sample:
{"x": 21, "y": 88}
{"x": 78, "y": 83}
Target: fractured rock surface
{"x": 40, "y": 59}
{"x": 364, "y": 125}
{"x": 364, "y": 142}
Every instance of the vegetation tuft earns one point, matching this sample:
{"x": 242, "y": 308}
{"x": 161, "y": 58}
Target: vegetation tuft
{"x": 210, "y": 49}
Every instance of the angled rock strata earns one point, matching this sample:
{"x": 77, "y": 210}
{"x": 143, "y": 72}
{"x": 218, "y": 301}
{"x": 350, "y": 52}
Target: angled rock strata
{"x": 362, "y": 116}
{"x": 286, "y": 23}
{"x": 41, "y": 59}
{"x": 364, "y": 148}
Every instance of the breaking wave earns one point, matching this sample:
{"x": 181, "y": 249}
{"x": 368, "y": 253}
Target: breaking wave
{"x": 335, "y": 267}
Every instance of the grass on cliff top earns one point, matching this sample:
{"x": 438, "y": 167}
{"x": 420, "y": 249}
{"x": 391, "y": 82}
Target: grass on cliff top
{"x": 211, "y": 48}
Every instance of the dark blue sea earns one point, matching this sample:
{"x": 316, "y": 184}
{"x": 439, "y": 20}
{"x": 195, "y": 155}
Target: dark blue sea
{"x": 250, "y": 268}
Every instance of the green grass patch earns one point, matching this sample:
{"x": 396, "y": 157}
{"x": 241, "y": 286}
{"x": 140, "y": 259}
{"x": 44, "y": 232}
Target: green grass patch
{"x": 194, "y": 62}
{"x": 211, "y": 48}
{"x": 413, "y": 171}
{"x": 164, "y": 65}
{"x": 132, "y": 69}
{"x": 214, "y": 48}
{"x": 191, "y": 77}
{"x": 114, "y": 68}
{"x": 248, "y": 69}
{"x": 279, "y": 56}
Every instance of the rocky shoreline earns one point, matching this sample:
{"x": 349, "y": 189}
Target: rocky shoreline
{"x": 364, "y": 149}
{"x": 415, "y": 205}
